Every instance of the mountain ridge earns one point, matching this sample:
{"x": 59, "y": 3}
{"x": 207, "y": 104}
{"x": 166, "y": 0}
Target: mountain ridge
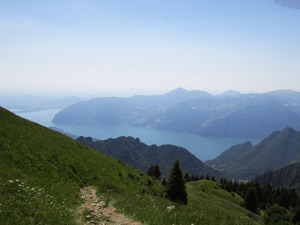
{"x": 245, "y": 161}
{"x": 130, "y": 150}
{"x": 286, "y": 176}
{"x": 197, "y": 112}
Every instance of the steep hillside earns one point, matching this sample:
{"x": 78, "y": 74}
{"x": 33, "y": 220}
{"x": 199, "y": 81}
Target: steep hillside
{"x": 41, "y": 172}
{"x": 245, "y": 161}
{"x": 141, "y": 156}
{"x": 287, "y": 176}
{"x": 227, "y": 115}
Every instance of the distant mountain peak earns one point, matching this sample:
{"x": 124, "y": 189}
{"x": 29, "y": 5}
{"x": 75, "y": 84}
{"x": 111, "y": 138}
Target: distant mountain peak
{"x": 229, "y": 93}
{"x": 181, "y": 91}
{"x": 177, "y": 91}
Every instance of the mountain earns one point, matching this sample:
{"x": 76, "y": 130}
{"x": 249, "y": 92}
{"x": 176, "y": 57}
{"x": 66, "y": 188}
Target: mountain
{"x": 229, "y": 93}
{"x": 42, "y": 172}
{"x": 141, "y": 156}
{"x": 245, "y": 161}
{"x": 287, "y": 176}
{"x": 230, "y": 114}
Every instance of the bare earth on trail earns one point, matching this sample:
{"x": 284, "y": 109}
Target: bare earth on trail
{"x": 94, "y": 211}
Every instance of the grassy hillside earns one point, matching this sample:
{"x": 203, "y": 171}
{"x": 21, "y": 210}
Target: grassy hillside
{"x": 141, "y": 156}
{"x": 41, "y": 172}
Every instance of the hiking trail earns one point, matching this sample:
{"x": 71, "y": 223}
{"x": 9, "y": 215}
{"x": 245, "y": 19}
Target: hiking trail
{"x": 95, "y": 211}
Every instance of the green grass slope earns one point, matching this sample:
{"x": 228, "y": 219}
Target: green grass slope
{"x": 41, "y": 172}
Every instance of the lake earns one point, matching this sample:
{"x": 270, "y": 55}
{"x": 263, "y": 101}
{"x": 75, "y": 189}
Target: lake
{"x": 204, "y": 148}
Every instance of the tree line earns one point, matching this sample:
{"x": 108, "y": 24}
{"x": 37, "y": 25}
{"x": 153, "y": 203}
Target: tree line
{"x": 281, "y": 205}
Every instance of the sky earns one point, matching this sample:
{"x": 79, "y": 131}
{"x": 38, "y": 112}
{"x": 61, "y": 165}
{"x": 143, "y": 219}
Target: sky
{"x": 126, "y": 47}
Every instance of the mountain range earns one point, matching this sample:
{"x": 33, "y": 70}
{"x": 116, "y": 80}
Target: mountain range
{"x": 230, "y": 114}
{"x": 245, "y": 161}
{"x": 131, "y": 151}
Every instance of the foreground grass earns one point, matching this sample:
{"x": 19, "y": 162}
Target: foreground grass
{"x": 208, "y": 204}
{"x": 41, "y": 172}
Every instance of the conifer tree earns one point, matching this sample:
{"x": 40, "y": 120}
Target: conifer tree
{"x": 176, "y": 187}
{"x": 207, "y": 177}
{"x": 187, "y": 177}
{"x": 251, "y": 200}
{"x": 154, "y": 171}
{"x": 157, "y": 172}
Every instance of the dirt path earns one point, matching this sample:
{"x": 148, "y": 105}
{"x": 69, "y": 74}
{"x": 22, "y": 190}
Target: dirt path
{"x": 94, "y": 211}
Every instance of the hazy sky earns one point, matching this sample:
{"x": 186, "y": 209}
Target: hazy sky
{"x": 148, "y": 46}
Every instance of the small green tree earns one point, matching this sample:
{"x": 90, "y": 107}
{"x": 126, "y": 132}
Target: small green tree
{"x": 187, "y": 177}
{"x": 157, "y": 172}
{"x": 176, "y": 187}
{"x": 154, "y": 171}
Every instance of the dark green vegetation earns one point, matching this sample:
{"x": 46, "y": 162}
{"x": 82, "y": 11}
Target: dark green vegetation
{"x": 245, "y": 161}
{"x": 228, "y": 115}
{"x": 287, "y": 176}
{"x": 141, "y": 156}
{"x": 176, "y": 187}
{"x": 41, "y": 172}
{"x": 279, "y": 206}
{"x": 154, "y": 171}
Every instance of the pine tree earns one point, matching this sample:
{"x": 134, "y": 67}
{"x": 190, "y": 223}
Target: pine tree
{"x": 175, "y": 187}
{"x": 251, "y": 200}
{"x": 187, "y": 177}
{"x": 154, "y": 171}
{"x": 157, "y": 172}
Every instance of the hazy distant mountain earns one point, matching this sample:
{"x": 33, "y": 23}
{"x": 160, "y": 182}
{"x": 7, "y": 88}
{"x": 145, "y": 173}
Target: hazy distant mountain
{"x": 34, "y": 103}
{"x": 230, "y": 114}
{"x": 229, "y": 93}
{"x": 141, "y": 156}
{"x": 287, "y": 176}
{"x": 245, "y": 161}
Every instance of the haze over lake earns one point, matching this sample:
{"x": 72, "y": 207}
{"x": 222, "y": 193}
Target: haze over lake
{"x": 204, "y": 148}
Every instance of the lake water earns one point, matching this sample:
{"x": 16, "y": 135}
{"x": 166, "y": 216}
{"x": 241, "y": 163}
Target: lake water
{"x": 204, "y": 148}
